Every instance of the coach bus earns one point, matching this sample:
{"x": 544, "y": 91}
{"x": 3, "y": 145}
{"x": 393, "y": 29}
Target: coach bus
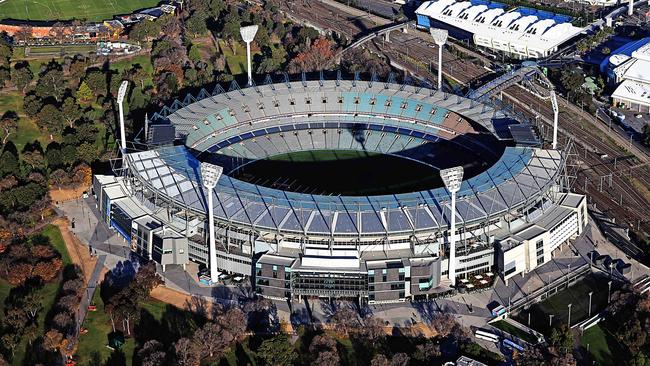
{"x": 486, "y": 336}
{"x": 512, "y": 345}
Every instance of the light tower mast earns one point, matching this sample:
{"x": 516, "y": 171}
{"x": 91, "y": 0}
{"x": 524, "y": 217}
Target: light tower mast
{"x": 121, "y": 93}
{"x": 247, "y": 34}
{"x": 210, "y": 175}
{"x": 452, "y": 177}
{"x": 440, "y": 38}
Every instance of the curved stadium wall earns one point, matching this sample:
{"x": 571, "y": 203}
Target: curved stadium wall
{"x": 378, "y": 248}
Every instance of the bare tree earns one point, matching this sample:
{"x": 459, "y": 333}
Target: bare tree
{"x": 187, "y": 352}
{"x": 152, "y": 353}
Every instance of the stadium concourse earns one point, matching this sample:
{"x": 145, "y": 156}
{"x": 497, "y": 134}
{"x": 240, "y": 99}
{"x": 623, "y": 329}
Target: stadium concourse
{"x": 511, "y": 214}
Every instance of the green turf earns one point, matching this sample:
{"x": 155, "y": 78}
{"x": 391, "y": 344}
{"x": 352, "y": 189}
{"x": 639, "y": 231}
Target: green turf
{"x": 55, "y": 51}
{"x": 92, "y": 10}
{"x": 235, "y": 61}
{"x": 54, "y": 234}
{"x": 557, "y": 304}
{"x": 603, "y": 346}
{"x": 509, "y": 328}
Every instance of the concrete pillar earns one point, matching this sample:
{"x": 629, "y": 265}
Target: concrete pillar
{"x": 387, "y": 36}
{"x": 630, "y": 8}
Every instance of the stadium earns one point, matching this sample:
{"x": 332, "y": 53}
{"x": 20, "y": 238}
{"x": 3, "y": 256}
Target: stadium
{"x": 332, "y": 188}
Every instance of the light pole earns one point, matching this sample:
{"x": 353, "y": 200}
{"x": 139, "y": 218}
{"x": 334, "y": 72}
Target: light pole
{"x": 440, "y": 38}
{"x": 121, "y": 93}
{"x": 210, "y": 175}
{"x": 550, "y": 319}
{"x": 609, "y": 292}
{"x": 590, "y": 293}
{"x": 247, "y": 34}
{"x": 556, "y": 115}
{"x": 569, "y": 315}
{"x": 452, "y": 178}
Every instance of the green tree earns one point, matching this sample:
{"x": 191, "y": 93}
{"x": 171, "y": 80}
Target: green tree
{"x": 32, "y": 104}
{"x": 277, "y": 351}
{"x": 71, "y": 110}
{"x": 144, "y": 31}
{"x": 54, "y": 156}
{"x": 84, "y": 93}
{"x": 196, "y": 24}
{"x": 87, "y": 152}
{"x": 562, "y": 339}
{"x": 193, "y": 54}
{"x": 51, "y": 82}
{"x": 8, "y": 161}
{"x": 97, "y": 82}
{"x": 21, "y": 75}
{"x": 51, "y": 119}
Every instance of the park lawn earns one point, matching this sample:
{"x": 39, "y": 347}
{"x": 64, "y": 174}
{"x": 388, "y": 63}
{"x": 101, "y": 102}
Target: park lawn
{"x": 509, "y": 328}
{"x": 98, "y": 324}
{"x": 54, "y": 234}
{"x": 603, "y": 346}
{"x": 235, "y": 61}
{"x": 142, "y": 60}
{"x": 92, "y": 10}
{"x": 238, "y": 355}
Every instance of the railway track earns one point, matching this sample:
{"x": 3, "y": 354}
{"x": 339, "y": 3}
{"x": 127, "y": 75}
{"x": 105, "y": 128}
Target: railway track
{"x": 599, "y": 162}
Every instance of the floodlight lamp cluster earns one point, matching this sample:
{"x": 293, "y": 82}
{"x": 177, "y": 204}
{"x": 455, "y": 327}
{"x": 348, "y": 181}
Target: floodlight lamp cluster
{"x": 452, "y": 178}
{"x": 439, "y": 35}
{"x": 248, "y": 33}
{"x": 210, "y": 174}
{"x": 121, "y": 92}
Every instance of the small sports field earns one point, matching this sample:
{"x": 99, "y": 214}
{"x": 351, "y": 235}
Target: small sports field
{"x": 92, "y": 10}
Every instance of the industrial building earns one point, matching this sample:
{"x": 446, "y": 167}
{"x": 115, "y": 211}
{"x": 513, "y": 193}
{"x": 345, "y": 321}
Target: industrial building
{"x": 518, "y": 32}
{"x": 629, "y": 68}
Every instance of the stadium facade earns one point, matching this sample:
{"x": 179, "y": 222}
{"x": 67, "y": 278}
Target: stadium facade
{"x": 510, "y": 216}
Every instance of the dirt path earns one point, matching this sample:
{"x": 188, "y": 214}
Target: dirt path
{"x": 182, "y": 300}
{"x": 78, "y": 252}
{"x": 67, "y": 194}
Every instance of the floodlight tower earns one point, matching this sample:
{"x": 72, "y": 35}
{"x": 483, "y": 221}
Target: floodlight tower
{"x": 247, "y": 34}
{"x": 440, "y": 38}
{"x": 210, "y": 175}
{"x": 452, "y": 178}
{"x": 556, "y": 114}
{"x": 121, "y": 93}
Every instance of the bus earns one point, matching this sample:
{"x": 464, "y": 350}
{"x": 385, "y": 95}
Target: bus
{"x": 512, "y": 345}
{"x": 486, "y": 336}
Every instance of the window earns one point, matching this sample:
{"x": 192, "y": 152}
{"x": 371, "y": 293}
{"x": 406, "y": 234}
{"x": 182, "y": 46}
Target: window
{"x": 371, "y": 278}
{"x": 181, "y": 251}
{"x": 402, "y": 294}
{"x": 540, "y": 244}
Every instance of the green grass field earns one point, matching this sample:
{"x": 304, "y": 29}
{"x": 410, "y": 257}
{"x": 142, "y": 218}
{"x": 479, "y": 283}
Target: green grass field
{"x": 92, "y": 10}
{"x": 603, "y": 346}
{"x": 509, "y": 328}
{"x": 577, "y": 295}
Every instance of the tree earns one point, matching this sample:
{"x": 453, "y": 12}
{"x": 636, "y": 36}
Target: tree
{"x": 8, "y": 162}
{"x": 87, "y": 152}
{"x": 443, "y": 324}
{"x": 51, "y": 119}
{"x": 319, "y": 56}
{"x": 34, "y": 158}
{"x": 211, "y": 339}
{"x": 187, "y": 352}
{"x": 53, "y": 340}
{"x": 51, "y": 82}
{"x": 97, "y": 82}
{"x": 144, "y": 31}
{"x": 84, "y": 93}
{"x": 21, "y": 75}
{"x": 324, "y": 348}
{"x": 274, "y": 59}
{"x": 9, "y": 124}
{"x": 196, "y": 24}
{"x": 71, "y": 110}
{"x": 345, "y": 319}
{"x": 379, "y": 360}
{"x": 400, "y": 359}
{"x": 277, "y": 351}
{"x": 427, "y": 352}
{"x": 152, "y": 353}
{"x": 562, "y": 339}
{"x": 32, "y": 104}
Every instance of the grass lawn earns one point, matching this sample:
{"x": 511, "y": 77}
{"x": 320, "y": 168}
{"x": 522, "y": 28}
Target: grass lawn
{"x": 92, "y": 10}
{"x": 577, "y": 295}
{"x": 603, "y": 346}
{"x": 235, "y": 61}
{"x": 143, "y": 60}
{"x": 54, "y": 234}
{"x": 56, "y": 50}
{"x": 509, "y": 328}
